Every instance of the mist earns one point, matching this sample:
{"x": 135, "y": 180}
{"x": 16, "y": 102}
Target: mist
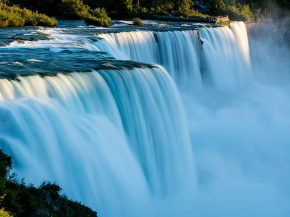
{"x": 241, "y": 139}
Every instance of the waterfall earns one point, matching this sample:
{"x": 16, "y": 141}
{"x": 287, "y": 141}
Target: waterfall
{"x": 177, "y": 51}
{"x": 150, "y": 123}
{"x": 87, "y": 123}
{"x": 226, "y": 63}
{"x": 192, "y": 57}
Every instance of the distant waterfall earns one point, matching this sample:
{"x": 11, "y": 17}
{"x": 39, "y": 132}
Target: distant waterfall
{"x": 103, "y": 136}
{"x": 192, "y": 57}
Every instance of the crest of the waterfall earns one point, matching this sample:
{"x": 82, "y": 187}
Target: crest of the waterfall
{"x": 103, "y": 136}
{"x": 225, "y": 56}
{"x": 177, "y": 51}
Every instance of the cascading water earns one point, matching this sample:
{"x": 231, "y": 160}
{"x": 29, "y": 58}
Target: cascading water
{"x": 113, "y": 133}
{"x": 79, "y": 120}
{"x": 225, "y": 56}
{"x": 176, "y": 51}
{"x": 192, "y": 56}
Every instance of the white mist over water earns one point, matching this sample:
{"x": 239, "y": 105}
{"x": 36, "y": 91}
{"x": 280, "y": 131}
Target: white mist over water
{"x": 120, "y": 142}
{"x": 241, "y": 141}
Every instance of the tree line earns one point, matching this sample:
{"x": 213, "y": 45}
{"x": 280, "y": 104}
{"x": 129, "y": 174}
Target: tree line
{"x": 98, "y": 12}
{"x": 237, "y": 9}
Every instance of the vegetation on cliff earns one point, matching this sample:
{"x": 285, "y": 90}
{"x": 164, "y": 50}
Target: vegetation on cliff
{"x": 20, "y": 200}
{"x": 13, "y": 16}
{"x": 248, "y": 10}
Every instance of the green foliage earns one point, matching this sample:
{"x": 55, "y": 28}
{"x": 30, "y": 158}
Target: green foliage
{"x": 78, "y": 9}
{"x": 43, "y": 20}
{"x": 218, "y": 7}
{"x": 74, "y": 9}
{"x": 13, "y": 16}
{"x": 143, "y": 10}
{"x": 138, "y": 22}
{"x": 240, "y": 13}
{"x": 194, "y": 13}
{"x": 236, "y": 10}
{"x": 246, "y": 13}
{"x": 100, "y": 13}
{"x": 184, "y": 7}
{"x": 127, "y": 5}
{"x": 98, "y": 17}
{"x": 4, "y": 213}
{"x": 45, "y": 201}
{"x": 165, "y": 7}
{"x": 233, "y": 12}
{"x": 90, "y": 20}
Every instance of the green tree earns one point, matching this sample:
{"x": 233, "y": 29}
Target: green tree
{"x": 246, "y": 13}
{"x": 233, "y": 12}
{"x": 218, "y": 7}
{"x": 13, "y": 16}
{"x": 99, "y": 17}
{"x": 166, "y": 5}
{"x": 74, "y": 9}
{"x": 185, "y": 6}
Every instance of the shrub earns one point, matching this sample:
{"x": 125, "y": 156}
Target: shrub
{"x": 233, "y": 12}
{"x": 240, "y": 13}
{"x": 143, "y": 10}
{"x": 43, "y": 20}
{"x": 100, "y": 13}
{"x": 195, "y": 13}
{"x": 4, "y": 213}
{"x": 138, "y": 22}
{"x": 185, "y": 7}
{"x": 246, "y": 13}
{"x": 13, "y": 16}
{"x": 98, "y": 17}
{"x": 9, "y": 18}
{"x": 91, "y": 20}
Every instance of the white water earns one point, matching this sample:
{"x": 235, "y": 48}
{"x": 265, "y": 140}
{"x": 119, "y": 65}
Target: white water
{"x": 176, "y": 51}
{"x": 79, "y": 130}
{"x": 180, "y": 53}
{"x": 120, "y": 142}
